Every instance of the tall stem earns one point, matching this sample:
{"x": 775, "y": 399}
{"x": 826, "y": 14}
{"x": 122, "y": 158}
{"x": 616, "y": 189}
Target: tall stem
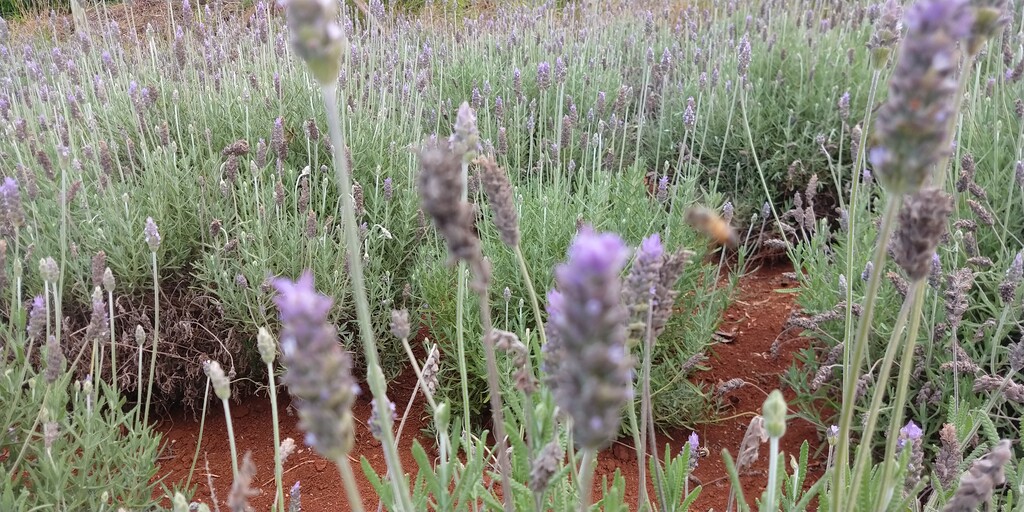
{"x": 586, "y": 478}
{"x": 375, "y": 376}
{"x": 861, "y": 463}
{"x": 532, "y": 293}
{"x": 355, "y": 501}
{"x": 497, "y": 413}
{"x": 278, "y": 463}
{"x": 156, "y": 339}
{"x": 851, "y": 373}
{"x": 906, "y": 366}
{"x": 231, "y": 438}
{"x": 773, "y": 473}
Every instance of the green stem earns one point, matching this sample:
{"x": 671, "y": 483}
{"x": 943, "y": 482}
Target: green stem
{"x": 647, "y": 410}
{"x": 355, "y": 501}
{"x": 375, "y": 376}
{"x": 773, "y": 473}
{"x": 156, "y": 339}
{"x": 534, "y": 302}
{"x": 851, "y": 373}
{"x": 641, "y": 453}
{"x": 860, "y": 467}
{"x": 906, "y": 367}
{"x": 586, "y": 478}
{"x": 497, "y": 412}
{"x": 199, "y": 442}
{"x": 460, "y": 336}
{"x": 113, "y": 341}
{"x": 231, "y": 438}
{"x": 278, "y": 463}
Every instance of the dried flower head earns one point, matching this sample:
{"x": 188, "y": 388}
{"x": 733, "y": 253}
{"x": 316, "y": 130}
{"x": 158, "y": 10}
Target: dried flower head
{"x": 921, "y": 223}
{"x": 37, "y": 318}
{"x": 1008, "y": 288}
{"x": 319, "y": 373}
{"x": 643, "y": 275}
{"x": 545, "y": 466}
{"x": 977, "y": 484}
{"x": 586, "y": 362}
{"x": 947, "y": 460}
{"x": 440, "y": 188}
{"x": 501, "y": 198}
{"x": 241, "y": 487}
{"x": 914, "y": 123}
{"x": 54, "y": 360}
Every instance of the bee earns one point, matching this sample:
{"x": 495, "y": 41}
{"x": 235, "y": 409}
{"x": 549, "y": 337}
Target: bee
{"x": 713, "y": 226}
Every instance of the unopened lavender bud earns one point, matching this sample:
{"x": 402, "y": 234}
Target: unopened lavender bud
{"x": 466, "y": 136}
{"x": 989, "y": 18}
{"x": 374, "y": 423}
{"x": 266, "y": 345}
{"x": 400, "y": 323}
{"x": 316, "y": 37}
{"x": 152, "y": 235}
{"x": 54, "y": 360}
{"x": 506, "y": 294}
{"x": 774, "y": 412}
{"x": 49, "y": 270}
{"x": 220, "y": 382}
{"x": 140, "y": 335}
{"x": 844, "y": 106}
{"x": 442, "y": 416}
{"x": 832, "y": 435}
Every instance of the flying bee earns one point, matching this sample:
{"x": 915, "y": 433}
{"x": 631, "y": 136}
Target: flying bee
{"x": 713, "y": 226}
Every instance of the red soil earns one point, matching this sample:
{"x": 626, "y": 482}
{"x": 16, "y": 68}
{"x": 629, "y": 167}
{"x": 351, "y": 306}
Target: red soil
{"x": 757, "y": 317}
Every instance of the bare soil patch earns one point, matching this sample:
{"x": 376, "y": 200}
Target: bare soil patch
{"x": 757, "y": 317}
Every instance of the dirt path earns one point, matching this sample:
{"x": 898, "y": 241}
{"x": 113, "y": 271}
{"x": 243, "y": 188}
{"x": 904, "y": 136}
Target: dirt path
{"x": 757, "y": 318}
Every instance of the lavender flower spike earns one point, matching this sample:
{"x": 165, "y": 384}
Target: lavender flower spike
{"x": 152, "y": 235}
{"x": 317, "y": 37}
{"x": 319, "y": 373}
{"x": 642, "y": 277}
{"x": 588, "y": 366}
{"x": 914, "y": 122}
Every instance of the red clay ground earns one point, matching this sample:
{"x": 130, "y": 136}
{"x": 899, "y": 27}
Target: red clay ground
{"x": 757, "y": 317}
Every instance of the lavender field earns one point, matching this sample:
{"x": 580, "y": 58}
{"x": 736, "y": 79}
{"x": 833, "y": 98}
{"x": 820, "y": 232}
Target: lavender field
{"x": 541, "y": 210}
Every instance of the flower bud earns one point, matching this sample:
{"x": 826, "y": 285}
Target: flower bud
{"x": 774, "y": 412}
{"x": 266, "y": 345}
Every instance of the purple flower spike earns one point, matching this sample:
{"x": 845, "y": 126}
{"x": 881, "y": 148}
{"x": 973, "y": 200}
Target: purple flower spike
{"x": 319, "y": 372}
{"x": 299, "y": 301}
{"x": 914, "y": 122}
{"x": 909, "y": 433}
{"x": 587, "y": 364}
{"x": 642, "y": 277}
